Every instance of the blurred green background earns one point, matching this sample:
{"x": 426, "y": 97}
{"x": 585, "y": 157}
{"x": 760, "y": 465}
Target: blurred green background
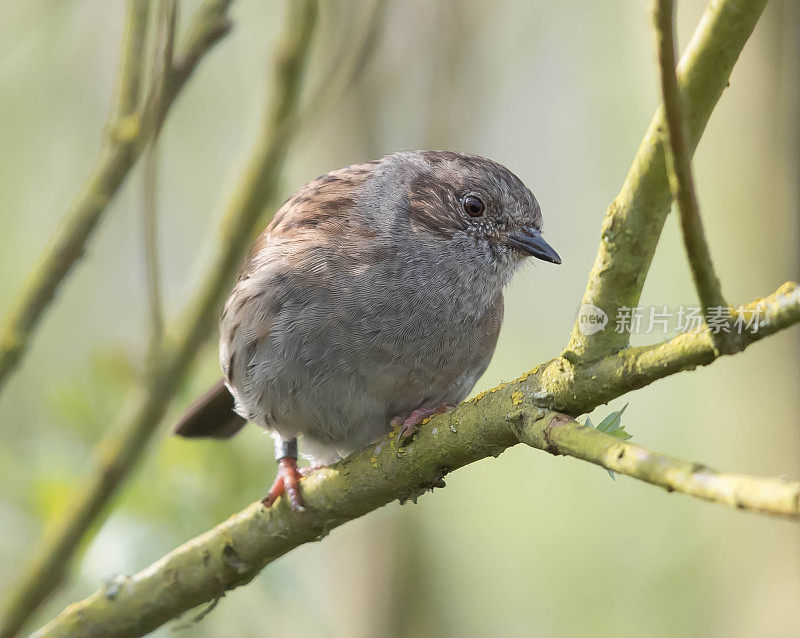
{"x": 526, "y": 544}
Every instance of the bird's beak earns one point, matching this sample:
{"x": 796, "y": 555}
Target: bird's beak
{"x": 530, "y": 241}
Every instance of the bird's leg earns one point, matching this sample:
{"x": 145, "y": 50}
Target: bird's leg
{"x": 288, "y": 479}
{"x": 410, "y": 424}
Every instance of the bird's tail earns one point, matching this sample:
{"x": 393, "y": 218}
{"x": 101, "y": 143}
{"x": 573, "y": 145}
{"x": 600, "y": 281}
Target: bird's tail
{"x": 211, "y": 416}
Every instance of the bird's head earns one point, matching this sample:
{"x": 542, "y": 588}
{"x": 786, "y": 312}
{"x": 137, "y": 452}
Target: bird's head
{"x": 477, "y": 208}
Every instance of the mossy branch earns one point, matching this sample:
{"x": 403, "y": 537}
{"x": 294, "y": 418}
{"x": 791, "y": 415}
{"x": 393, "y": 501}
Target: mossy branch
{"x": 128, "y": 131}
{"x": 578, "y": 387}
{"x": 679, "y": 169}
{"x": 118, "y": 453}
{"x": 633, "y": 222}
{"x": 232, "y": 553}
{"x": 560, "y": 435}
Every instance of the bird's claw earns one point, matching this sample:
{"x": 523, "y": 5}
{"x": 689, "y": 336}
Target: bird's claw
{"x": 288, "y": 481}
{"x": 410, "y": 425}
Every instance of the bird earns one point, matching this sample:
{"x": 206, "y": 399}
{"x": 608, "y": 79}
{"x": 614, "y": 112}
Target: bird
{"x": 373, "y": 299}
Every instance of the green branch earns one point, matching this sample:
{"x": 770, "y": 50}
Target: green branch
{"x": 131, "y": 66}
{"x": 632, "y": 224}
{"x": 232, "y": 553}
{"x": 679, "y": 169}
{"x": 127, "y": 133}
{"x": 118, "y": 453}
{"x": 561, "y": 435}
{"x": 151, "y": 254}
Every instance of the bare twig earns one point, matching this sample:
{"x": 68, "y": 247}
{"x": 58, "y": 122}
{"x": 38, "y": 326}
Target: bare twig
{"x": 129, "y": 75}
{"x": 348, "y": 63}
{"x": 232, "y": 553}
{"x": 118, "y": 453}
{"x": 633, "y": 223}
{"x": 162, "y": 63}
{"x": 151, "y": 259}
{"x": 679, "y": 167}
{"x": 126, "y": 138}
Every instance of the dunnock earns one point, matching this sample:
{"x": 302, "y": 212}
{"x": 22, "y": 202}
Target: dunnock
{"x": 373, "y": 298}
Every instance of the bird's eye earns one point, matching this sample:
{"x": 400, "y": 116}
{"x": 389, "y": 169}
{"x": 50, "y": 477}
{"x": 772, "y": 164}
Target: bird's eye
{"x": 473, "y": 206}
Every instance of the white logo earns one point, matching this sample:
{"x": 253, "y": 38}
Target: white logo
{"x": 591, "y": 319}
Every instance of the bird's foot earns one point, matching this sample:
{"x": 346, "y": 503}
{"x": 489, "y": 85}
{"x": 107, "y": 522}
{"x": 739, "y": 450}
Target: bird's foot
{"x": 410, "y": 424}
{"x": 288, "y": 481}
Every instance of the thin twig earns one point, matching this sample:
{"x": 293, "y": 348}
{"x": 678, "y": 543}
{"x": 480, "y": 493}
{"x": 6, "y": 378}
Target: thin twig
{"x": 126, "y": 138}
{"x": 632, "y": 224}
{"x": 162, "y": 63}
{"x": 347, "y": 65}
{"x": 151, "y": 258}
{"x": 118, "y": 453}
{"x": 679, "y": 167}
{"x": 131, "y": 68}
{"x": 232, "y": 553}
